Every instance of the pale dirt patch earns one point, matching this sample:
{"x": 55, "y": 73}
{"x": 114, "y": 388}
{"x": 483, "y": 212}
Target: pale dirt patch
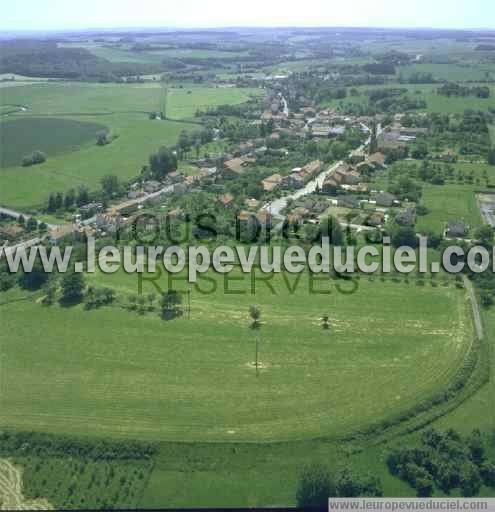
{"x": 261, "y": 365}
{"x": 11, "y": 497}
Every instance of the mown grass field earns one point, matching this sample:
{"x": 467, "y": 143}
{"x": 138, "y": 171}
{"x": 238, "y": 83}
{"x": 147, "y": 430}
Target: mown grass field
{"x": 123, "y": 375}
{"x": 183, "y": 103}
{"x": 27, "y": 187}
{"x": 448, "y": 203}
{"x": 122, "y": 109}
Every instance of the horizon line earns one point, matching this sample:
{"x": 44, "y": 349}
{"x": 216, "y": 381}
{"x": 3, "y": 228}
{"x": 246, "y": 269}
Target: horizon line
{"x": 172, "y": 28}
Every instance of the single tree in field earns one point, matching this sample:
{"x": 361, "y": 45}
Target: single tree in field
{"x": 51, "y": 292}
{"x": 314, "y": 488}
{"x": 255, "y": 315}
{"x": 325, "y": 322}
{"x": 72, "y": 288}
{"x": 170, "y": 305}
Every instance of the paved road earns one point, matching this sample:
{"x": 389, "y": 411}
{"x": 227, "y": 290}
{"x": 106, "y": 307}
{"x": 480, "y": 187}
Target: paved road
{"x": 132, "y": 202}
{"x": 27, "y": 243}
{"x": 278, "y": 205}
{"x": 15, "y": 215}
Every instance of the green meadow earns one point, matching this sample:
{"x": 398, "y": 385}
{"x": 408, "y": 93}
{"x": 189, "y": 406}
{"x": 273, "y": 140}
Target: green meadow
{"x": 63, "y": 118}
{"x": 448, "y": 203}
{"x": 120, "y": 374}
{"x": 20, "y": 137}
{"x": 183, "y": 103}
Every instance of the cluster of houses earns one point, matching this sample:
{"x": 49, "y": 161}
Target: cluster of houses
{"x": 324, "y": 124}
{"x": 297, "y": 178}
{"x": 348, "y": 177}
{"x": 396, "y": 136}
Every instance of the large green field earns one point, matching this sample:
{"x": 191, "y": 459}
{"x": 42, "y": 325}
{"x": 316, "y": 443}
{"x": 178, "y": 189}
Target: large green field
{"x": 20, "y": 137}
{"x": 448, "y": 203}
{"x": 122, "y": 109}
{"x": 124, "y": 53}
{"x": 183, "y": 103}
{"x": 123, "y": 375}
{"x": 25, "y": 187}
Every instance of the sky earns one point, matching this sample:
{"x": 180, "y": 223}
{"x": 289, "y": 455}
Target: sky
{"x": 81, "y": 14}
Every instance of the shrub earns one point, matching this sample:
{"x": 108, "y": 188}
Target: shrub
{"x": 38, "y": 157}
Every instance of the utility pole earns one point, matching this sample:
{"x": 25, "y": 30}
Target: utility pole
{"x": 257, "y": 351}
{"x": 189, "y": 304}
{"x": 256, "y": 324}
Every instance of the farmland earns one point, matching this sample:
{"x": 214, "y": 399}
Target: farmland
{"x": 122, "y": 391}
{"x": 21, "y": 137}
{"x": 132, "y": 362}
{"x": 124, "y": 53}
{"x": 183, "y": 103}
{"x": 121, "y": 109}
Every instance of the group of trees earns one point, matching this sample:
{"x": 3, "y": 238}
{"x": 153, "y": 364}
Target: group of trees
{"x": 104, "y": 137}
{"x": 98, "y": 297}
{"x": 316, "y": 485}
{"x": 170, "y": 305}
{"x": 47, "y": 445}
{"x": 453, "y": 89}
{"x": 161, "y": 163}
{"x": 446, "y": 461}
{"x": 35, "y": 158}
{"x": 31, "y": 224}
{"x": 111, "y": 187}
{"x": 47, "y": 59}
{"x": 72, "y": 198}
{"x": 193, "y": 140}
{"x": 406, "y": 188}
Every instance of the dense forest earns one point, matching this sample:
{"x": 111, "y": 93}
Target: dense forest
{"x": 46, "y": 59}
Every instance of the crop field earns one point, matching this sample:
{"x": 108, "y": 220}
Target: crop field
{"x": 146, "y": 378}
{"x": 122, "y": 109}
{"x": 20, "y": 137}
